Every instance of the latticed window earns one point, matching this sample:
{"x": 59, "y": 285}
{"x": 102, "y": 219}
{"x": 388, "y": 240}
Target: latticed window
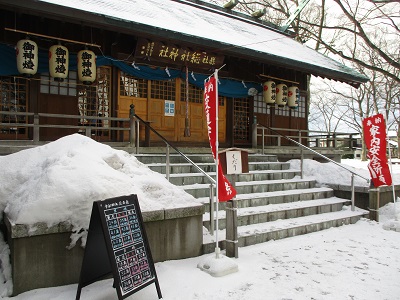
{"x": 67, "y": 87}
{"x": 163, "y": 89}
{"x": 14, "y": 93}
{"x": 95, "y": 100}
{"x": 221, "y": 101}
{"x": 195, "y": 94}
{"x": 241, "y": 119}
{"x": 261, "y": 107}
{"x": 132, "y": 87}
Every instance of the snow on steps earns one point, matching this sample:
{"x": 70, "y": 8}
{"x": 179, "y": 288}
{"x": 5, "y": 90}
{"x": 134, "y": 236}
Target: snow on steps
{"x": 249, "y": 187}
{"x": 273, "y": 203}
{"x": 273, "y": 212}
{"x": 279, "y": 229}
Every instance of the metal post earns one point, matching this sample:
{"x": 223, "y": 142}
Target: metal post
{"x": 352, "y": 192}
{"x": 212, "y": 226}
{"x": 167, "y": 167}
{"x": 36, "y": 128}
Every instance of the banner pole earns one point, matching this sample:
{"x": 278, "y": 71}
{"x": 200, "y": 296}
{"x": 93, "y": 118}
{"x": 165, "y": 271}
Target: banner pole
{"x": 217, "y": 250}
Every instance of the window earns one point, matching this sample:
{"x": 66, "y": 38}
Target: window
{"x": 195, "y": 94}
{"x": 95, "y": 100}
{"x": 261, "y": 107}
{"x": 132, "y": 87}
{"x": 241, "y": 120}
{"x": 163, "y": 89}
{"x": 65, "y": 88}
{"x": 14, "y": 93}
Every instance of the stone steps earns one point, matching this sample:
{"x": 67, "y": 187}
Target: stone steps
{"x": 177, "y": 168}
{"x": 187, "y": 179}
{"x": 272, "y": 200}
{"x": 249, "y": 187}
{"x": 272, "y": 212}
{"x": 279, "y": 229}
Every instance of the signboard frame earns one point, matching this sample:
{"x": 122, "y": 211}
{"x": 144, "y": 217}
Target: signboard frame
{"x": 128, "y": 241}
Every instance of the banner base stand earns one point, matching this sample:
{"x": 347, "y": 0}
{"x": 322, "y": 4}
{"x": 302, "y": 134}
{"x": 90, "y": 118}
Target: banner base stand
{"x": 218, "y": 267}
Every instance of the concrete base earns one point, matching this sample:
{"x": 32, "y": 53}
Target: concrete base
{"x": 40, "y": 258}
{"x": 218, "y": 267}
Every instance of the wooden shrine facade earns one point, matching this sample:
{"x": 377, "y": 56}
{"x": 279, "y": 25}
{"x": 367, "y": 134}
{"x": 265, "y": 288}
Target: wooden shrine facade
{"x": 161, "y": 75}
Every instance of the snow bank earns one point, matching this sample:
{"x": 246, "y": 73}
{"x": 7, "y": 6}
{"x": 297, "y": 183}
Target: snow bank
{"x": 330, "y": 173}
{"x": 59, "y": 181}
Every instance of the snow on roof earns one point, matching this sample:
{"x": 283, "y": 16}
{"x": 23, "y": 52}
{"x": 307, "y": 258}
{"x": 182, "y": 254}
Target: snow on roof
{"x": 221, "y": 30}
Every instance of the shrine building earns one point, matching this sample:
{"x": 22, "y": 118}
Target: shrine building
{"x": 69, "y": 64}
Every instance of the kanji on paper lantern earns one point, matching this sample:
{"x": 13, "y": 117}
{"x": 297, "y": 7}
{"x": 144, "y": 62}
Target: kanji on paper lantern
{"x": 269, "y": 92}
{"x": 281, "y": 94}
{"x": 293, "y": 96}
{"x": 58, "y": 62}
{"x": 86, "y": 66}
{"x": 27, "y": 57}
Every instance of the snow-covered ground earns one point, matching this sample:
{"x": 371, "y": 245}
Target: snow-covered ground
{"x": 360, "y": 261}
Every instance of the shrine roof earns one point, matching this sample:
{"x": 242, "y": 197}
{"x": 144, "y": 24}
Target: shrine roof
{"x": 200, "y": 23}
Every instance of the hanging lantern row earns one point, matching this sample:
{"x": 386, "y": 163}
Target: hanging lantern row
{"x": 281, "y": 94}
{"x": 27, "y": 61}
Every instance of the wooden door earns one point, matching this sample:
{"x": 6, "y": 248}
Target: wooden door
{"x": 57, "y": 104}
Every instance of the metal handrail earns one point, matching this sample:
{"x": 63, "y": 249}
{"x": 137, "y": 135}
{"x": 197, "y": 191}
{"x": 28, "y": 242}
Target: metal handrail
{"x": 212, "y": 180}
{"x": 325, "y": 157}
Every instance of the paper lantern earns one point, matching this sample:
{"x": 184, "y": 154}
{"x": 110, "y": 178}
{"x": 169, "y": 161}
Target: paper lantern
{"x": 86, "y": 66}
{"x": 293, "y": 96}
{"x": 281, "y": 94}
{"x": 58, "y": 62}
{"x": 269, "y": 92}
{"x": 27, "y": 57}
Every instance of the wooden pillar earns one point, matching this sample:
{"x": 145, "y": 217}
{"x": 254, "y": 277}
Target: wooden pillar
{"x": 374, "y": 204}
{"x": 231, "y": 229}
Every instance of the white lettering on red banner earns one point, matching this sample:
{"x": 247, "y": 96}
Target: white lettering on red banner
{"x": 375, "y": 140}
{"x": 225, "y": 190}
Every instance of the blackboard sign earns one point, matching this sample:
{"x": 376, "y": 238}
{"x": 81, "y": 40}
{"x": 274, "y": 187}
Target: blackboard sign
{"x": 117, "y": 244}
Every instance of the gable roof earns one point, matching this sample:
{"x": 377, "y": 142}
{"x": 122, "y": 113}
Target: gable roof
{"x": 188, "y": 21}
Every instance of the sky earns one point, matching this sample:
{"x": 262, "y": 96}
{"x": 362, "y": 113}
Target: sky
{"x": 360, "y": 261}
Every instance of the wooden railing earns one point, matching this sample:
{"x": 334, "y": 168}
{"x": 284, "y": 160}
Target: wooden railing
{"x": 264, "y": 137}
{"x": 93, "y": 124}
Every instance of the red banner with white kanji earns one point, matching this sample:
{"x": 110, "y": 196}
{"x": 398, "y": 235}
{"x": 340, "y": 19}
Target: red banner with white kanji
{"x": 375, "y": 140}
{"x": 225, "y": 190}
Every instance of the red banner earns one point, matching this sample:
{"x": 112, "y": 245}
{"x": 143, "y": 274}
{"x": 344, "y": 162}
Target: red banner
{"x": 225, "y": 190}
{"x": 375, "y": 140}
